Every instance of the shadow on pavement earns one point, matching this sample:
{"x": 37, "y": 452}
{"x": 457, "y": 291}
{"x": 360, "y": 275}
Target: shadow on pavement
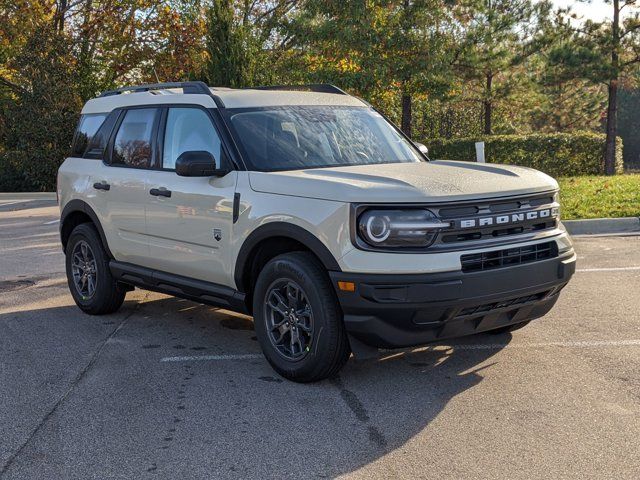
{"x": 237, "y": 419}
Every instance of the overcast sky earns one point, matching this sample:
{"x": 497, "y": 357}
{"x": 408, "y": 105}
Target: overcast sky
{"x": 594, "y": 10}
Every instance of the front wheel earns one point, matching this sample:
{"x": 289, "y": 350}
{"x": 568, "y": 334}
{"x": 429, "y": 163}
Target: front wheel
{"x": 298, "y": 320}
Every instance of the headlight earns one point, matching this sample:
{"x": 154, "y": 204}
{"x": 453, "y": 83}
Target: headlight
{"x": 399, "y": 228}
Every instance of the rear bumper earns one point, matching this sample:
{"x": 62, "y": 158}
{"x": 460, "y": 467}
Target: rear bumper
{"x": 390, "y": 311}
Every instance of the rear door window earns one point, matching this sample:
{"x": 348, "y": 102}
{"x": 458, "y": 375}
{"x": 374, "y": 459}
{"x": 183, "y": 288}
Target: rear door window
{"x": 98, "y": 143}
{"x": 132, "y": 144}
{"x": 87, "y": 128}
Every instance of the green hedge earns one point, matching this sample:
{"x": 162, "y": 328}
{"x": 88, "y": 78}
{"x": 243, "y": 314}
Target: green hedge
{"x": 557, "y": 154}
{"x": 10, "y": 178}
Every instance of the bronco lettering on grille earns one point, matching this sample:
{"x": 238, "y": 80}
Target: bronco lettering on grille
{"x": 545, "y": 213}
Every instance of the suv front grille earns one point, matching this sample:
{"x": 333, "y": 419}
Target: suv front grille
{"x": 494, "y": 232}
{"x": 475, "y": 262}
{"x": 497, "y": 232}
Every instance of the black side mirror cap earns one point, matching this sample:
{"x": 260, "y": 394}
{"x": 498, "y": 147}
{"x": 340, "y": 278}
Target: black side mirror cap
{"x": 197, "y": 164}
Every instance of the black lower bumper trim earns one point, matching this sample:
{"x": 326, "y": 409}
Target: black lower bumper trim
{"x": 391, "y": 311}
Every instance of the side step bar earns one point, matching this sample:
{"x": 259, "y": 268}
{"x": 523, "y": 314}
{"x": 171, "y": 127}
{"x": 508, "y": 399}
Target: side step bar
{"x": 178, "y": 286}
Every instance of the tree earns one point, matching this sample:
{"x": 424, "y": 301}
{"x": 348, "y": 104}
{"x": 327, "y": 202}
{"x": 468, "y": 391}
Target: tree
{"x": 559, "y": 100}
{"x": 44, "y": 108}
{"x": 377, "y": 48}
{"x": 56, "y": 54}
{"x": 242, "y": 41}
{"x": 605, "y": 52}
{"x": 500, "y": 36}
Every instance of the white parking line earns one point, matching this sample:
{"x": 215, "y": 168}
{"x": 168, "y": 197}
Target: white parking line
{"x": 51, "y": 222}
{"x": 471, "y": 346}
{"x": 607, "y": 269}
{"x": 203, "y": 358}
{"x": 567, "y": 344}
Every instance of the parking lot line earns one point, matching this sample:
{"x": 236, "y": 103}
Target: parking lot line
{"x": 201, "y": 358}
{"x": 471, "y": 346}
{"x": 565, "y": 344}
{"x": 607, "y": 269}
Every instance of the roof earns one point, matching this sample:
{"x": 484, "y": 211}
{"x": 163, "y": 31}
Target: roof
{"x": 269, "y": 98}
{"x": 227, "y": 97}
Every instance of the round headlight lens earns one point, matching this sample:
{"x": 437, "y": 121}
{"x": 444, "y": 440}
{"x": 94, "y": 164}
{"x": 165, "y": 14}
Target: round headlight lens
{"x": 399, "y": 227}
{"x": 377, "y": 228}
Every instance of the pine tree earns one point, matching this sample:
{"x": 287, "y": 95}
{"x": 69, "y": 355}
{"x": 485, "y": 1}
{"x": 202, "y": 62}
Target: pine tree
{"x": 605, "y": 52}
{"x": 500, "y": 36}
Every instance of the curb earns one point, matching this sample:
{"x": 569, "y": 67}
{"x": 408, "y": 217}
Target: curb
{"x": 28, "y": 195}
{"x": 595, "y": 226}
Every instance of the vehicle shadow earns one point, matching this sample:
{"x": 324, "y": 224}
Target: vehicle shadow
{"x": 371, "y": 409}
{"x": 340, "y": 425}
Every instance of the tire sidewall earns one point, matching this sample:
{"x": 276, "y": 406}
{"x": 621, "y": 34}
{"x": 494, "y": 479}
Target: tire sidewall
{"x": 103, "y": 281}
{"x": 325, "y": 318}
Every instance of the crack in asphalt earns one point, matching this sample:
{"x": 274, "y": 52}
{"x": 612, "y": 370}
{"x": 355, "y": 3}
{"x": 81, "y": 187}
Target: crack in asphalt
{"x": 74, "y": 383}
{"x": 359, "y": 410}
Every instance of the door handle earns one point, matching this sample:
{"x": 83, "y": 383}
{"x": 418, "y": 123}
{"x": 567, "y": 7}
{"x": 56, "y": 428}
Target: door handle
{"x": 160, "y": 192}
{"x": 102, "y": 186}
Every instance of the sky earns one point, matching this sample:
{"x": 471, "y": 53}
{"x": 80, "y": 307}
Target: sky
{"x": 594, "y": 10}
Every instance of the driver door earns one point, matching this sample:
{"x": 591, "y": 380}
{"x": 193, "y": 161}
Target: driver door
{"x": 189, "y": 219}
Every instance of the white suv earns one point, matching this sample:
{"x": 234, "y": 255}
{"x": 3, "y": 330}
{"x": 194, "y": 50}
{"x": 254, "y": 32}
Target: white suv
{"x": 306, "y": 208}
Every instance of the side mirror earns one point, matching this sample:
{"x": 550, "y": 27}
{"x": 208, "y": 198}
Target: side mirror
{"x": 196, "y": 164}
{"x": 423, "y": 148}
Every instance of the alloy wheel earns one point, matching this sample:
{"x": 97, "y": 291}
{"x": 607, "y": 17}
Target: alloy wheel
{"x": 84, "y": 270}
{"x": 289, "y": 319}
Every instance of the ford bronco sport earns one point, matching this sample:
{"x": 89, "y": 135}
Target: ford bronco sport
{"x": 306, "y": 208}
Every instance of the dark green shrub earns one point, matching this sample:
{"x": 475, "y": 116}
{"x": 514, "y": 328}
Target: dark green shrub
{"x": 39, "y": 114}
{"x": 10, "y": 178}
{"x": 557, "y": 154}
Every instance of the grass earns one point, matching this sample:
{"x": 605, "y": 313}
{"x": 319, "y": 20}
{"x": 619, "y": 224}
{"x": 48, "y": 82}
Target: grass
{"x": 600, "y": 197}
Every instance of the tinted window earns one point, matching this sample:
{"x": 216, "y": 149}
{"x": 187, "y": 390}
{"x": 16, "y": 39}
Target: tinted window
{"x": 87, "y": 128}
{"x": 298, "y": 137}
{"x": 188, "y": 130}
{"x": 132, "y": 145}
{"x": 99, "y": 141}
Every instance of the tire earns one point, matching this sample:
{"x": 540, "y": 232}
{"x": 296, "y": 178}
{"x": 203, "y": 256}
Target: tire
{"x": 314, "y": 341}
{"x": 85, "y": 249}
{"x": 509, "y": 328}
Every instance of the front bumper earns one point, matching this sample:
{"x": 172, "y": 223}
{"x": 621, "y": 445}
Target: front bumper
{"x": 401, "y": 310}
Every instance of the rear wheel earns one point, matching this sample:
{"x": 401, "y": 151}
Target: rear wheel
{"x": 92, "y": 286}
{"x": 298, "y": 320}
{"x": 509, "y": 328}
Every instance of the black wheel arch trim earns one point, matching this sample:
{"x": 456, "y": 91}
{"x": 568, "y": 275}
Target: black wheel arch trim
{"x": 82, "y": 206}
{"x": 282, "y": 229}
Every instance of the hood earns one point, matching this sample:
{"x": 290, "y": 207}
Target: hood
{"x": 436, "y": 181}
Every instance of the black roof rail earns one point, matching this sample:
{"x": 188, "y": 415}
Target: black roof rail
{"x": 312, "y": 87}
{"x": 187, "y": 87}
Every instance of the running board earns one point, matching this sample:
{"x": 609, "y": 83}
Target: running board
{"x": 179, "y": 286}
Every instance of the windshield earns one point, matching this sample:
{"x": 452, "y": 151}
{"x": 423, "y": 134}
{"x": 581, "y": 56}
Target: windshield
{"x": 298, "y": 137}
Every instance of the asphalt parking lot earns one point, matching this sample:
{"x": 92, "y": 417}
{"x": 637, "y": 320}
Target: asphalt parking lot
{"x": 167, "y": 388}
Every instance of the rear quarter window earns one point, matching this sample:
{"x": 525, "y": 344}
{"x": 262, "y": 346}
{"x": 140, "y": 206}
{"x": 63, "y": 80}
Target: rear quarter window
{"x": 87, "y": 128}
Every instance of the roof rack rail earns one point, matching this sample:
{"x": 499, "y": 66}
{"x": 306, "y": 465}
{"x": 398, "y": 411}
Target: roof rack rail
{"x": 312, "y": 87}
{"x": 187, "y": 87}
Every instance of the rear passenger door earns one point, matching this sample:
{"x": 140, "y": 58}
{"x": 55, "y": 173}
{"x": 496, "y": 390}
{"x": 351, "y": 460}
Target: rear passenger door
{"x": 190, "y": 223}
{"x": 129, "y": 158}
